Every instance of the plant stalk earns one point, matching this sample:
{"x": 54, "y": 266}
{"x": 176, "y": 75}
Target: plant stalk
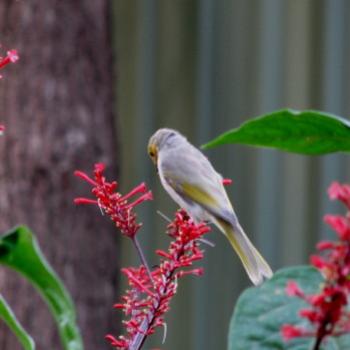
{"x": 142, "y": 258}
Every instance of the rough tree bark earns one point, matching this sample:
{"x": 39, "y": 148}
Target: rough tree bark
{"x": 56, "y": 103}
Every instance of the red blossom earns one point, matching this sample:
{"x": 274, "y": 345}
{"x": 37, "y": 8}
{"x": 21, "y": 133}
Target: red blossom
{"x": 11, "y": 57}
{"x": 289, "y": 332}
{"x": 146, "y": 301}
{"x": 227, "y": 182}
{"x": 150, "y": 291}
{"x": 324, "y": 245}
{"x": 311, "y": 315}
{"x": 113, "y": 203}
{"x": 340, "y": 192}
{"x": 318, "y": 262}
{"x": 327, "y": 311}
{"x": 293, "y": 289}
{"x": 340, "y": 225}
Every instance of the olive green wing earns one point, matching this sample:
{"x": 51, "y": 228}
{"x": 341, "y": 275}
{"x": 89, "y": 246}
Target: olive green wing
{"x": 193, "y": 193}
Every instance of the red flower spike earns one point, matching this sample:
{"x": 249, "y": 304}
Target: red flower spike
{"x": 150, "y": 292}
{"x": 327, "y": 312}
{"x": 113, "y": 203}
{"x": 145, "y": 303}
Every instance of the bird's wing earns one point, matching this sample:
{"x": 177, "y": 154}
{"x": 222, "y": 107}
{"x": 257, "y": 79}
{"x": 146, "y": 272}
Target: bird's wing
{"x": 198, "y": 182}
{"x": 190, "y": 191}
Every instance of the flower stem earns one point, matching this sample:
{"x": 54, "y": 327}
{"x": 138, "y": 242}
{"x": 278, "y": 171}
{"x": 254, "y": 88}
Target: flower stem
{"x": 320, "y": 336}
{"x": 142, "y": 257}
{"x": 318, "y": 343}
{"x": 141, "y": 336}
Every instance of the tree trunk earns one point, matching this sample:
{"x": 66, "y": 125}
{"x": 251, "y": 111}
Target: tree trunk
{"x": 56, "y": 104}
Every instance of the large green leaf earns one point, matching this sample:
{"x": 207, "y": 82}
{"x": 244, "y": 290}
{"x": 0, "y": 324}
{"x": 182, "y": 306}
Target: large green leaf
{"x": 20, "y": 251}
{"x": 305, "y": 132}
{"x": 260, "y": 312}
{"x": 7, "y": 315}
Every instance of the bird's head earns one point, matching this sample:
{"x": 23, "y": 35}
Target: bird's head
{"x": 161, "y": 139}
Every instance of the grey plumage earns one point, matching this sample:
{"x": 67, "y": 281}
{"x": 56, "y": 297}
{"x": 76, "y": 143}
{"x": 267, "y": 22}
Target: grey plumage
{"x": 190, "y": 179}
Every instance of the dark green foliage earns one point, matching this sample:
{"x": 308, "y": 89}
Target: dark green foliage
{"x": 261, "y": 311}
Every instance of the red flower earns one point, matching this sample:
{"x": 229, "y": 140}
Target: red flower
{"x": 113, "y": 203}
{"x": 340, "y": 192}
{"x": 325, "y": 245}
{"x": 327, "y": 310}
{"x": 289, "y": 332}
{"x": 339, "y": 224}
{"x": 146, "y": 301}
{"x": 227, "y": 182}
{"x": 318, "y": 262}
{"x": 293, "y": 289}
{"x": 150, "y": 292}
{"x": 11, "y": 57}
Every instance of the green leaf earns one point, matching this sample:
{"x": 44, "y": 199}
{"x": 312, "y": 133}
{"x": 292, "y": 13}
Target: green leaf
{"x": 20, "y": 251}
{"x": 261, "y": 311}
{"x": 306, "y": 132}
{"x": 10, "y": 319}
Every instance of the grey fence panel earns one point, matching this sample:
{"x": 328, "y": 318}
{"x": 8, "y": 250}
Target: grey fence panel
{"x": 206, "y": 66}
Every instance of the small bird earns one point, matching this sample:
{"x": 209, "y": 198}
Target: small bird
{"x": 192, "y": 182}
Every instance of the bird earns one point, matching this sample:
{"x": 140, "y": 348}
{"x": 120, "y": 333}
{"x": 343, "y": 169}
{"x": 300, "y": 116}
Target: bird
{"x": 192, "y": 182}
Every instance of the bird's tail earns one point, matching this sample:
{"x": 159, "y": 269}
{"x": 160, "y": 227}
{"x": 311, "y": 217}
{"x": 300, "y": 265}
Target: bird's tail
{"x": 255, "y": 265}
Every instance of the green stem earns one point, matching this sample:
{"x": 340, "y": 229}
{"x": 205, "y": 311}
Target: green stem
{"x": 142, "y": 258}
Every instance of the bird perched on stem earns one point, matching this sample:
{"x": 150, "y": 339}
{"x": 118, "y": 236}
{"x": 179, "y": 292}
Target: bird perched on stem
{"x": 192, "y": 182}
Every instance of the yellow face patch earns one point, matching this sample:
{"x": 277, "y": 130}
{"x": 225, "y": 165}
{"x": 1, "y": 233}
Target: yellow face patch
{"x": 153, "y": 153}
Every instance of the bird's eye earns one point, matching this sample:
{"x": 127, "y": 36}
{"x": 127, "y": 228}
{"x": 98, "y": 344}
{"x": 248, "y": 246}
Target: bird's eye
{"x": 151, "y": 154}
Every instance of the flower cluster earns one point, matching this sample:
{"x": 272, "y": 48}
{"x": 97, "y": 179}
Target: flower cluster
{"x": 113, "y": 203}
{"x": 146, "y": 302}
{"x": 150, "y": 291}
{"x": 327, "y": 311}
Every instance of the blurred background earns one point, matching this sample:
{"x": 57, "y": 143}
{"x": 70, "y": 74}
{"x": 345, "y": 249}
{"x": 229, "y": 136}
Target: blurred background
{"x": 204, "y": 67}
{"x": 103, "y": 77}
